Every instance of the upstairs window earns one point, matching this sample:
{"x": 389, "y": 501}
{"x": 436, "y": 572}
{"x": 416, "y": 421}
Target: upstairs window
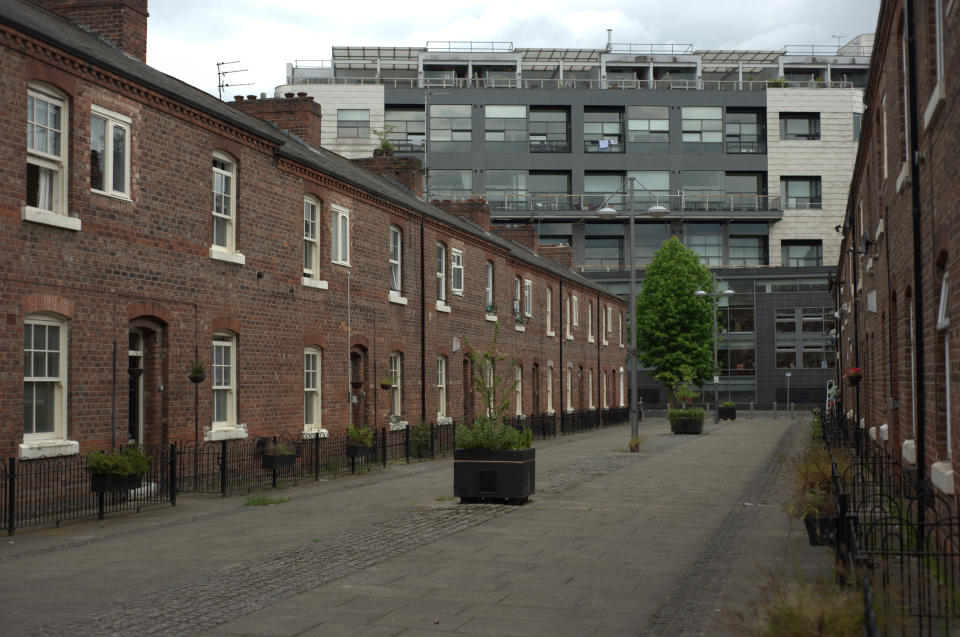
{"x": 311, "y": 245}
{"x": 408, "y": 128}
{"x": 441, "y": 272}
{"x": 528, "y": 297}
{"x": 451, "y": 128}
{"x": 549, "y": 311}
{"x": 590, "y": 321}
{"x": 396, "y": 274}
{"x": 801, "y": 192}
{"x": 340, "y": 235}
{"x": 517, "y": 295}
{"x": 109, "y": 152}
{"x": 702, "y": 129}
{"x": 800, "y": 126}
{"x": 505, "y": 128}
{"x": 488, "y": 296}
{"x": 456, "y": 272}
{"x": 603, "y": 131}
{"x": 224, "y": 202}
{"x": 46, "y": 151}
{"x": 353, "y": 122}
{"x": 801, "y": 254}
{"x": 549, "y": 131}
{"x": 745, "y": 132}
{"x": 576, "y": 311}
{"x": 648, "y": 128}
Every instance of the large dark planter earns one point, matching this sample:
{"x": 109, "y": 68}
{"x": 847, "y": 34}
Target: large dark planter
{"x": 728, "y": 413}
{"x": 197, "y": 378}
{"x": 480, "y": 474}
{"x": 688, "y": 426}
{"x": 106, "y": 482}
{"x": 821, "y": 530}
{"x": 358, "y": 451}
{"x": 279, "y": 460}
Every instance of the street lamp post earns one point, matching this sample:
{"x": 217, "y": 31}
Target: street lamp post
{"x": 656, "y": 212}
{"x": 716, "y": 365}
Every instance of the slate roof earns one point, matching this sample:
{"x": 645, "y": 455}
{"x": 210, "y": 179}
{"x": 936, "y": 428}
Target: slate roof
{"x": 66, "y": 35}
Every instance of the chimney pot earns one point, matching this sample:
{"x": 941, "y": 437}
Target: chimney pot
{"x": 302, "y": 94}
{"x": 288, "y": 95}
{"x": 251, "y": 97}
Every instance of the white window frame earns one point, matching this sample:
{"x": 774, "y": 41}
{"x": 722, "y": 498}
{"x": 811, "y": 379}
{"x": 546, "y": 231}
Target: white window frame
{"x": 576, "y": 311}
{"x": 311, "y": 238}
{"x": 456, "y": 271}
{"x": 550, "y": 331}
{"x": 441, "y": 386}
{"x": 313, "y": 388}
{"x": 569, "y": 328}
{"x": 396, "y": 392}
{"x": 489, "y": 282}
{"x": 517, "y": 295}
{"x": 441, "y": 272}
{"x": 943, "y": 325}
{"x": 518, "y": 389}
{"x": 224, "y": 341}
{"x": 590, "y": 338}
{"x": 620, "y": 328}
{"x": 59, "y": 381}
{"x": 113, "y": 121}
{"x": 603, "y": 390}
{"x": 55, "y": 163}
{"x": 938, "y": 95}
{"x": 604, "y": 324}
{"x": 339, "y": 235}
{"x": 227, "y": 214}
{"x": 527, "y": 298}
{"x": 550, "y": 409}
{"x": 568, "y": 379}
{"x": 395, "y": 259}
{"x": 590, "y": 388}
{"x": 622, "y": 392}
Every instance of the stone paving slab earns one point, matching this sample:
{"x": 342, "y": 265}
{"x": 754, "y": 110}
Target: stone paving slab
{"x": 602, "y": 548}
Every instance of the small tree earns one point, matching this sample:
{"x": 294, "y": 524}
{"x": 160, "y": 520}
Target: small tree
{"x": 383, "y": 136}
{"x": 674, "y": 327}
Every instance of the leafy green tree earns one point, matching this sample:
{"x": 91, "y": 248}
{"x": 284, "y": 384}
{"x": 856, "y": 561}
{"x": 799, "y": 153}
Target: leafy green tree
{"x": 674, "y": 327}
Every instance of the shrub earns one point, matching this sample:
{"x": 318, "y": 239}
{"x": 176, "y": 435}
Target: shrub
{"x": 728, "y": 403}
{"x": 130, "y": 461}
{"x": 281, "y": 449}
{"x": 361, "y": 436}
{"x": 420, "y": 441}
{"x": 802, "y": 609}
{"x": 675, "y": 415}
{"x": 811, "y": 475}
{"x": 488, "y": 434}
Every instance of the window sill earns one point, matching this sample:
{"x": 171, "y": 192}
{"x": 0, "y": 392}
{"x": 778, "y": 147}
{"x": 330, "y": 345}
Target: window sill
{"x": 457, "y": 292}
{"x": 937, "y": 98}
{"x": 345, "y": 264}
{"x": 909, "y": 451}
{"x": 604, "y": 343}
{"x": 398, "y": 425}
{"x": 113, "y": 195}
{"x": 393, "y": 297}
{"x": 903, "y": 179}
{"x": 48, "y": 449}
{"x": 225, "y": 433}
{"x": 230, "y": 257}
{"x": 444, "y": 420}
{"x": 621, "y": 345}
{"x": 520, "y": 328}
{"x": 551, "y": 333}
{"x": 490, "y": 317}
{"x": 569, "y": 337}
{"x": 314, "y": 432}
{"x": 941, "y": 475}
{"x": 47, "y": 218}
{"x": 884, "y": 432}
{"x": 590, "y": 339}
{"x": 443, "y": 307}
{"x": 314, "y": 283}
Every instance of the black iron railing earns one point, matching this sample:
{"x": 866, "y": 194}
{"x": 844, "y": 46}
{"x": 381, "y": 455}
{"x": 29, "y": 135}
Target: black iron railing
{"x": 49, "y": 491}
{"x": 897, "y": 538}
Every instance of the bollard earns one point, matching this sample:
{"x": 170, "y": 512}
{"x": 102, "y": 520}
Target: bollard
{"x": 751, "y": 411}
{"x": 776, "y": 414}
{"x": 173, "y": 475}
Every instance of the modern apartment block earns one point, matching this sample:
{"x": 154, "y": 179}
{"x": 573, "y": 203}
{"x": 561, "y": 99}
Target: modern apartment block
{"x": 750, "y": 152}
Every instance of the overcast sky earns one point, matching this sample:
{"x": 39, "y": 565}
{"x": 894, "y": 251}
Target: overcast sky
{"x": 188, "y": 37}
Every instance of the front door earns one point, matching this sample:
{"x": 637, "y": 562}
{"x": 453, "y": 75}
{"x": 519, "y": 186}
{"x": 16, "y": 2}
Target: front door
{"x": 135, "y": 398}
{"x": 358, "y": 388}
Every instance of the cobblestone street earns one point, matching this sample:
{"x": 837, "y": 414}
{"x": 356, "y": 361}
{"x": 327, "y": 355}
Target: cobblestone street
{"x": 663, "y": 542}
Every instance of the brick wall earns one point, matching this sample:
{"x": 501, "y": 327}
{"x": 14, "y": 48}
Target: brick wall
{"x": 123, "y": 23}
{"x": 299, "y": 116}
{"x": 143, "y": 263}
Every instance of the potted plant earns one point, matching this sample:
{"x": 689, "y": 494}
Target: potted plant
{"x": 853, "y": 376}
{"x": 386, "y": 382}
{"x": 279, "y": 455}
{"x": 359, "y": 441}
{"x": 728, "y": 410}
{"x": 196, "y": 371}
{"x": 385, "y": 146}
{"x": 357, "y": 383}
{"x": 492, "y": 460}
{"x": 491, "y": 308}
{"x": 117, "y": 470}
{"x": 686, "y": 421}
{"x": 812, "y": 498}
{"x": 519, "y": 319}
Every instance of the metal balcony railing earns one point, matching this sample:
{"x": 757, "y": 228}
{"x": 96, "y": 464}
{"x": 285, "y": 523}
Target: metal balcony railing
{"x": 683, "y": 201}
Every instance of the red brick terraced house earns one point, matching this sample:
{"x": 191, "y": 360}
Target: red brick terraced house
{"x": 900, "y": 265}
{"x": 145, "y": 224}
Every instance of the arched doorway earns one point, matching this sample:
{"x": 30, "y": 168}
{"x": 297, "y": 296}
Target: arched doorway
{"x": 359, "y": 382}
{"x": 535, "y": 379}
{"x": 145, "y": 366}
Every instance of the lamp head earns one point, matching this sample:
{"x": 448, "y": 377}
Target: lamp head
{"x": 657, "y": 212}
{"x": 728, "y": 292}
{"x": 700, "y": 293}
{"x": 606, "y": 213}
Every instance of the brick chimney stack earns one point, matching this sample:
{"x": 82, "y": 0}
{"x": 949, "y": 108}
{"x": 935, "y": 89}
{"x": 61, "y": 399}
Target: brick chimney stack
{"x": 477, "y": 211}
{"x": 298, "y": 115}
{"x": 406, "y": 171}
{"x": 123, "y": 23}
{"x": 524, "y": 234}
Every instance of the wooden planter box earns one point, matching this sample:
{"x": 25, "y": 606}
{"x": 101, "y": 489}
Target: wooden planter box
{"x": 688, "y": 426}
{"x": 358, "y": 451}
{"x": 107, "y": 482}
{"x": 821, "y": 530}
{"x": 279, "y": 460}
{"x": 480, "y": 474}
{"x": 728, "y": 413}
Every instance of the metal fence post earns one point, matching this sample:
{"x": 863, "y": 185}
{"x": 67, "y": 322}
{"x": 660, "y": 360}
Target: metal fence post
{"x": 433, "y": 453}
{"x": 12, "y": 497}
{"x": 316, "y": 456}
{"x": 406, "y": 443}
{"x": 383, "y": 446}
{"x": 223, "y": 468}
{"x": 173, "y": 475}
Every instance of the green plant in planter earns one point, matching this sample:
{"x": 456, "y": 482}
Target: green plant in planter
{"x": 386, "y": 382}
{"x": 130, "y": 461}
{"x": 360, "y": 436}
{"x": 487, "y": 433}
{"x": 383, "y": 137}
{"x": 281, "y": 449}
{"x": 196, "y": 368}
{"x": 728, "y": 403}
{"x": 680, "y": 418}
{"x": 810, "y": 481}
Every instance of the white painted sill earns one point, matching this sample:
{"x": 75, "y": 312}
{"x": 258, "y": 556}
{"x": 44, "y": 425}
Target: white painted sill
{"x": 590, "y": 339}
{"x": 519, "y": 328}
{"x": 230, "y": 257}
{"x": 909, "y": 451}
{"x": 490, "y": 317}
{"x": 313, "y": 432}
{"x": 937, "y": 98}
{"x": 443, "y": 307}
{"x": 551, "y": 333}
{"x": 225, "y": 433}
{"x": 904, "y": 177}
{"x": 569, "y": 337}
{"x": 393, "y": 297}
{"x": 48, "y": 449}
{"x": 47, "y": 218}
{"x": 398, "y": 425}
{"x": 314, "y": 283}
{"x": 113, "y": 195}
{"x": 941, "y": 475}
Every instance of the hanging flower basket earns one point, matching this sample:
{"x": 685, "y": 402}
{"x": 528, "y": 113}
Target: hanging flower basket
{"x": 853, "y": 376}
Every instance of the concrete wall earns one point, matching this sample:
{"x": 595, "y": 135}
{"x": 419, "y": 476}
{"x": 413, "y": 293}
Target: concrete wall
{"x": 334, "y": 96}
